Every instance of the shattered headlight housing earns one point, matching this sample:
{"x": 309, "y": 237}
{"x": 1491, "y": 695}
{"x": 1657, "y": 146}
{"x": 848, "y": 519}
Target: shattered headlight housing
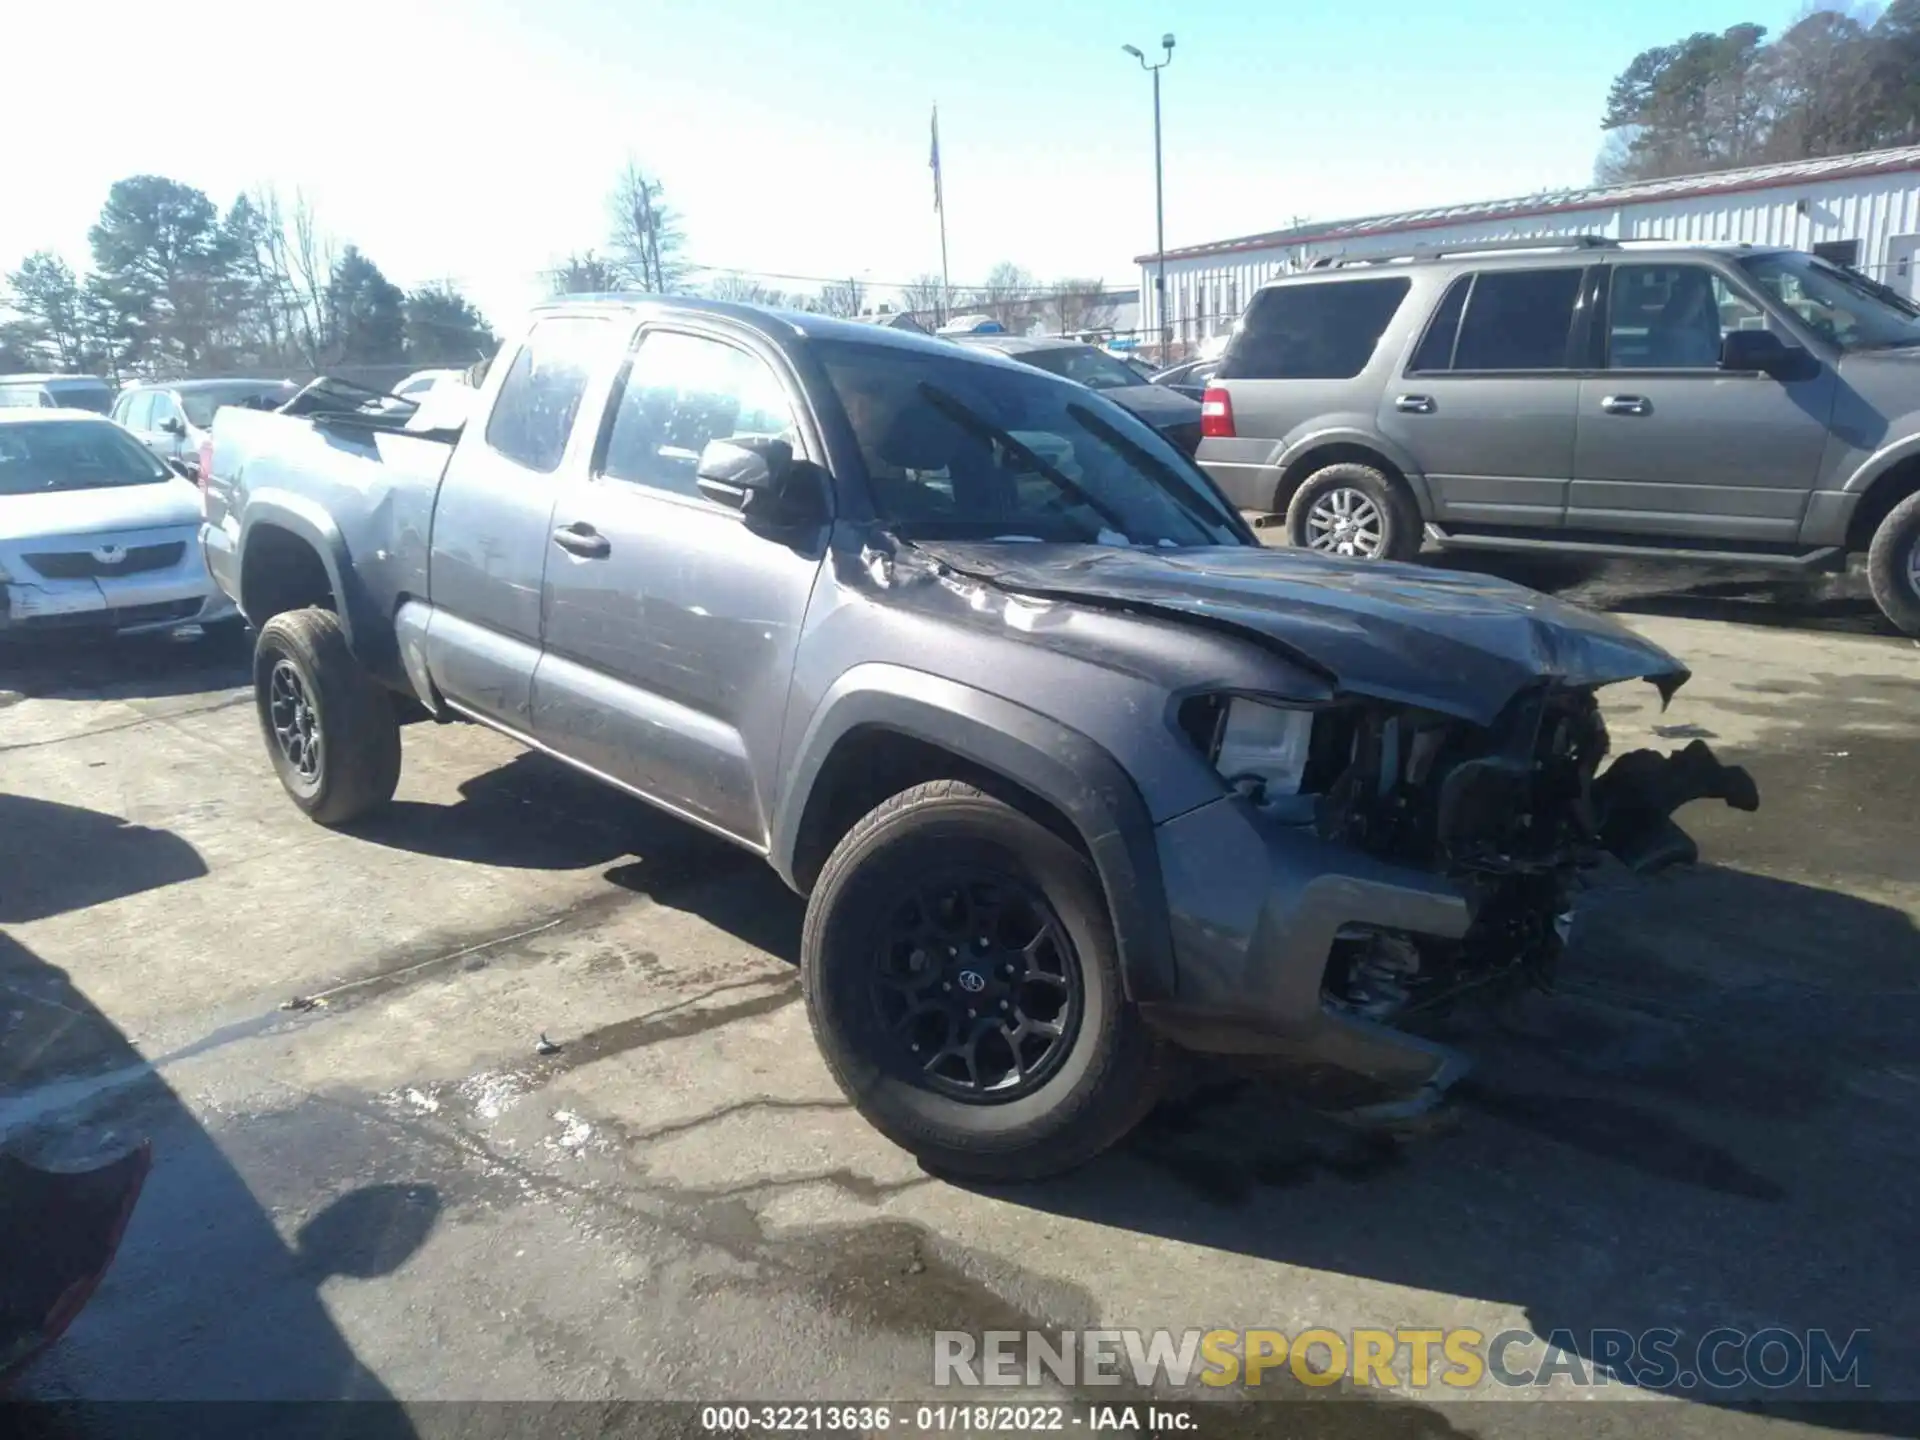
{"x": 1265, "y": 743}
{"x": 1261, "y": 750}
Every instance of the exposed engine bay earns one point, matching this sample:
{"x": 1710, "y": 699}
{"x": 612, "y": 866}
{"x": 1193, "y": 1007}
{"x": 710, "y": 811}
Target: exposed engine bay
{"x": 1513, "y": 814}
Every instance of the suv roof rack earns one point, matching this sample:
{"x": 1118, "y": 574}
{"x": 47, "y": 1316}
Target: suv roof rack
{"x": 1469, "y": 247}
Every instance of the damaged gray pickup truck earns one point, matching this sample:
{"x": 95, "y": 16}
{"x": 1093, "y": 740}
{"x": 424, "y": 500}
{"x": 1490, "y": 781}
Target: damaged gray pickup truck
{"x": 1071, "y": 770}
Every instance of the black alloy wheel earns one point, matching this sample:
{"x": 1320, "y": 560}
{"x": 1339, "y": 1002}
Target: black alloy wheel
{"x": 979, "y": 986}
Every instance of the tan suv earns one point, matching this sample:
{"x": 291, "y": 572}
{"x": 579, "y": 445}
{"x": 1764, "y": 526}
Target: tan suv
{"x": 1726, "y": 402}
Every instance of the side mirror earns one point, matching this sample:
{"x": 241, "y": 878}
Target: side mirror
{"x": 173, "y": 425}
{"x": 746, "y": 473}
{"x": 1762, "y": 350}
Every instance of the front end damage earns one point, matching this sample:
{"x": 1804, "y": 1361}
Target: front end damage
{"x": 1417, "y": 859}
{"x": 1511, "y": 817}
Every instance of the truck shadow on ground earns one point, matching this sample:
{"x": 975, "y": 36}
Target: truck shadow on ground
{"x": 205, "y": 1299}
{"x": 531, "y": 813}
{"x": 1712, "y": 1126}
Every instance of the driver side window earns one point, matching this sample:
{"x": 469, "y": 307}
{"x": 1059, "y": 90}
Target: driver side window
{"x": 1672, "y": 317}
{"x": 682, "y": 391}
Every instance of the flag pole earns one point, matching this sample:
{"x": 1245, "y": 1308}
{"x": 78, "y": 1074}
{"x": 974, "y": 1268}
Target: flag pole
{"x": 940, "y": 208}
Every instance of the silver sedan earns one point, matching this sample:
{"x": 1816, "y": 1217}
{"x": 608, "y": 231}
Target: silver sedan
{"x": 95, "y": 533}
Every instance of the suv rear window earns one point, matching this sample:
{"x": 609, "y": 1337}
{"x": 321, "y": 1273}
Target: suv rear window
{"x": 1518, "y": 320}
{"x": 1324, "y": 331}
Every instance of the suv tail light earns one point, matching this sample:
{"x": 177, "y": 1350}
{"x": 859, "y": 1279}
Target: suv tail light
{"x": 1216, "y": 414}
{"x": 203, "y": 470}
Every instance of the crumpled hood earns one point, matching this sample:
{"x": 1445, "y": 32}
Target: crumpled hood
{"x": 51, "y": 514}
{"x": 1458, "y": 643}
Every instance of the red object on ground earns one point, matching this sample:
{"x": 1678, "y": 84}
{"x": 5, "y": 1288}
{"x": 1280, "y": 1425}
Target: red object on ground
{"x": 59, "y": 1232}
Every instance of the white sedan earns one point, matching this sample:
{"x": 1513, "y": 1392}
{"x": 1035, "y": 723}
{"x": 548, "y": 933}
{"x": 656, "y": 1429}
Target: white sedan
{"x": 95, "y": 533}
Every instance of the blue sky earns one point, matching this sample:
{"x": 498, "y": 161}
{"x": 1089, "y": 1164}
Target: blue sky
{"x": 477, "y": 140}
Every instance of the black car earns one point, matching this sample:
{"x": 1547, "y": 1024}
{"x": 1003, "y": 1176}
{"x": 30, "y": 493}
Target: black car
{"x": 1174, "y": 415}
{"x": 1189, "y": 377}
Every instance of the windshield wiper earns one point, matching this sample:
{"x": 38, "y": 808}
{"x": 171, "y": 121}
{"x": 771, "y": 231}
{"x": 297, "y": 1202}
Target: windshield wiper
{"x": 967, "y": 418}
{"x": 1177, "y": 486}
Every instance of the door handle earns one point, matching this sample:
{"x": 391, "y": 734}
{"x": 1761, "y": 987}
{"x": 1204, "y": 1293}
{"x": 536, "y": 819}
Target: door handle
{"x": 583, "y": 540}
{"x": 1415, "y": 404}
{"x": 1626, "y": 405}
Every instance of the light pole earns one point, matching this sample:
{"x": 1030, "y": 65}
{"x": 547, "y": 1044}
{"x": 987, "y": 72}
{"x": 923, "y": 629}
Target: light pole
{"x": 1159, "y": 202}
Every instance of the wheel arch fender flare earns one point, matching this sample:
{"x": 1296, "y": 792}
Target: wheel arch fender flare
{"x": 303, "y": 518}
{"x": 1055, "y": 762}
{"x": 1301, "y": 446}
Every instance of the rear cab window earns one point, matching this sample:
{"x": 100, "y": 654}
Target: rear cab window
{"x": 1324, "y": 330}
{"x": 534, "y": 412}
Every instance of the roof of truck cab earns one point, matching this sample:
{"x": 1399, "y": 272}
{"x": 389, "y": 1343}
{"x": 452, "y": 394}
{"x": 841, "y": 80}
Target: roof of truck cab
{"x": 777, "y": 323}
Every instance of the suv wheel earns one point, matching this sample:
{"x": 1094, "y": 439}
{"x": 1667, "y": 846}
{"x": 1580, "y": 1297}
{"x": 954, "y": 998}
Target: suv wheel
{"x": 1893, "y": 565}
{"x": 1354, "y": 510}
{"x": 963, "y": 985}
{"x": 329, "y": 726}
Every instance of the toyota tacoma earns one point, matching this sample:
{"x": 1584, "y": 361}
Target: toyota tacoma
{"x": 1071, "y": 770}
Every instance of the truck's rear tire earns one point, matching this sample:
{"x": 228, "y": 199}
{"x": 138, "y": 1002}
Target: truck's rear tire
{"x": 947, "y": 935}
{"x": 1893, "y": 565}
{"x": 330, "y": 728}
{"x": 1354, "y": 511}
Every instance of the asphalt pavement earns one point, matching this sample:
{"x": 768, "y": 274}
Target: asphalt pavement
{"x": 373, "y": 1179}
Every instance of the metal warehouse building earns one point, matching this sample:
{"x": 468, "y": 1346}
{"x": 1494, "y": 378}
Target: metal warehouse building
{"x": 1861, "y": 210}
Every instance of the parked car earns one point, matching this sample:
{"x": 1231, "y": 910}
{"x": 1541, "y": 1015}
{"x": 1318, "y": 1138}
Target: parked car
{"x": 1068, "y": 765}
{"x": 51, "y": 392}
{"x": 95, "y": 532}
{"x": 1189, "y": 377}
{"x": 1704, "y": 402}
{"x": 174, "y": 419}
{"x": 1174, "y": 415}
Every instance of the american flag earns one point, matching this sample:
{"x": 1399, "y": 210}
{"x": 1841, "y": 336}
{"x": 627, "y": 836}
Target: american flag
{"x": 934, "y": 160}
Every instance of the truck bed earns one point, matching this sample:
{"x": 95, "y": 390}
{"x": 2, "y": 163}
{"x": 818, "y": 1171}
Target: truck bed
{"x": 356, "y": 488}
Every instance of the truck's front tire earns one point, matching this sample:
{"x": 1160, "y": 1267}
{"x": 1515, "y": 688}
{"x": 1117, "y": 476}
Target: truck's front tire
{"x": 330, "y": 728}
{"x": 964, "y": 987}
{"x": 1893, "y": 565}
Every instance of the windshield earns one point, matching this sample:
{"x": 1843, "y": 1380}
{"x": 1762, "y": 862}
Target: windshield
{"x": 960, "y": 449}
{"x": 1093, "y": 368}
{"x": 44, "y": 455}
{"x": 95, "y": 397}
{"x": 201, "y": 403}
{"x": 1839, "y": 305}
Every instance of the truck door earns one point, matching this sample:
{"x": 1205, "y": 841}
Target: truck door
{"x": 1668, "y": 443}
{"x": 671, "y": 622}
{"x": 491, "y": 521}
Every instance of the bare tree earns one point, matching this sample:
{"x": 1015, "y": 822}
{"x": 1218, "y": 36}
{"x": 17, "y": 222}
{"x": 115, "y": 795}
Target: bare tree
{"x": 842, "y": 298}
{"x": 294, "y": 261}
{"x": 1008, "y": 295}
{"x": 926, "y": 294}
{"x": 1078, "y": 304}
{"x": 646, "y": 239}
{"x": 741, "y": 289}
